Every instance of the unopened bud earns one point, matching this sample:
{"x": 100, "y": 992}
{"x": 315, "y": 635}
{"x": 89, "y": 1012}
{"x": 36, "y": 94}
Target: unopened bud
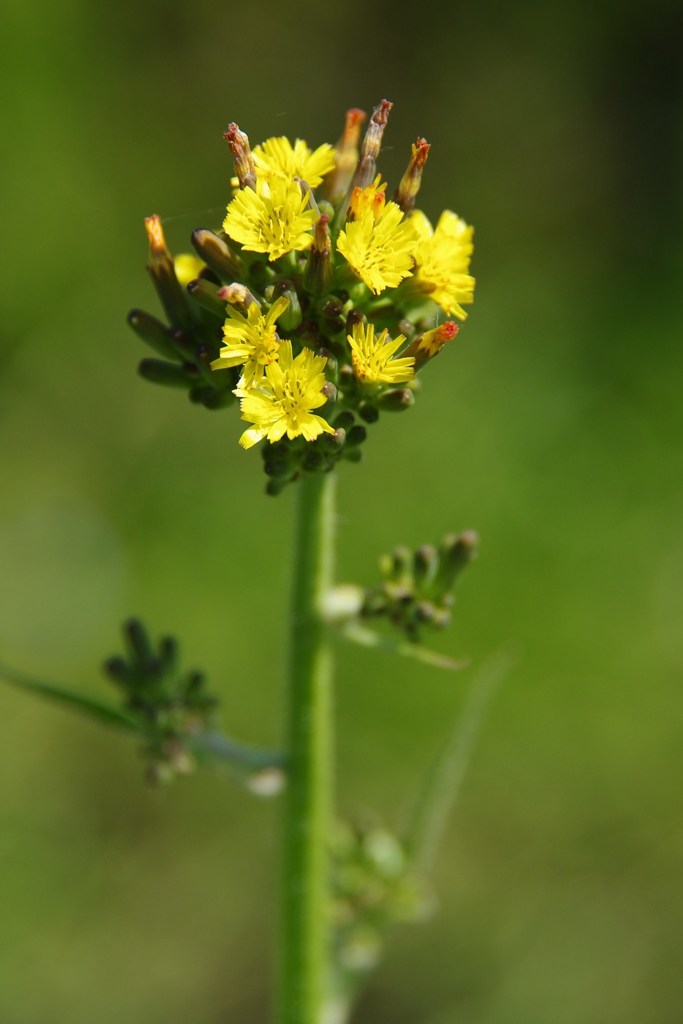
{"x": 455, "y": 553}
{"x": 236, "y": 294}
{"x": 241, "y": 154}
{"x": 400, "y": 561}
{"x": 345, "y": 156}
{"x": 353, "y": 317}
{"x": 368, "y": 412}
{"x": 137, "y": 641}
{"x": 425, "y": 564}
{"x": 319, "y": 271}
{"x": 152, "y": 332}
{"x": 365, "y": 172}
{"x": 425, "y": 346}
{"x": 217, "y": 254}
{"x": 396, "y": 400}
{"x": 162, "y": 271}
{"x": 344, "y": 420}
{"x": 330, "y": 392}
{"x": 169, "y": 374}
{"x": 117, "y": 669}
{"x": 205, "y": 293}
{"x": 291, "y": 316}
{"x": 356, "y": 436}
{"x": 409, "y": 185}
{"x": 332, "y": 309}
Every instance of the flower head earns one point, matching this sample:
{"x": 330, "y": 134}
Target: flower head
{"x": 442, "y": 261}
{"x": 425, "y": 346}
{"x": 277, "y": 157}
{"x": 188, "y": 267}
{"x": 274, "y": 218}
{"x": 250, "y": 340}
{"x": 378, "y": 244}
{"x": 373, "y": 357}
{"x": 283, "y": 400}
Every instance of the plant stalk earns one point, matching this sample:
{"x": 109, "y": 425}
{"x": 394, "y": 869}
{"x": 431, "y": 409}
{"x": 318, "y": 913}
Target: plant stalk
{"x": 308, "y": 794}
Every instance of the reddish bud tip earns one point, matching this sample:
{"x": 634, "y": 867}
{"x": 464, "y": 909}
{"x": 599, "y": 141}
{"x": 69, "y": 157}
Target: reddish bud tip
{"x": 420, "y": 153}
{"x": 447, "y": 331}
{"x": 381, "y": 113}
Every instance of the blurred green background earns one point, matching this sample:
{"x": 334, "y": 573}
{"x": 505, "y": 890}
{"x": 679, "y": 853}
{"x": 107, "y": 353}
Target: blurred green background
{"x": 553, "y": 426}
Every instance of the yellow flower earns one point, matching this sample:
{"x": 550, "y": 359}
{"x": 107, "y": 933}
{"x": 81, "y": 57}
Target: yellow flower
{"x": 282, "y": 402}
{"x": 250, "y": 340}
{"x": 187, "y": 267}
{"x": 379, "y": 243}
{"x": 442, "y": 261}
{"x": 373, "y": 358}
{"x": 372, "y": 197}
{"x": 274, "y": 219}
{"x": 278, "y": 158}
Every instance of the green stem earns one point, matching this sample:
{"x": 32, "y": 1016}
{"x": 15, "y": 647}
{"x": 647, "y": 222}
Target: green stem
{"x": 309, "y": 761}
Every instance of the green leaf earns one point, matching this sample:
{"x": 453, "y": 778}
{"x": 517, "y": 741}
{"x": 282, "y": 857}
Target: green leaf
{"x": 443, "y": 780}
{"x": 89, "y": 706}
{"x": 368, "y": 638}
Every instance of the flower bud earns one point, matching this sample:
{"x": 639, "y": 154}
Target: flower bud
{"x": 162, "y": 271}
{"x": 355, "y": 436}
{"x": 396, "y": 400}
{"x": 217, "y": 254}
{"x": 353, "y": 317}
{"x": 241, "y": 154}
{"x": 319, "y": 271}
{"x": 118, "y": 670}
{"x": 368, "y": 412}
{"x": 455, "y": 553}
{"x": 345, "y": 156}
{"x": 425, "y": 346}
{"x": 409, "y": 185}
{"x": 169, "y": 374}
{"x": 236, "y": 294}
{"x": 205, "y": 293}
{"x": 425, "y": 565}
{"x": 365, "y": 172}
{"x": 152, "y": 332}
{"x": 291, "y": 317}
{"x": 137, "y": 641}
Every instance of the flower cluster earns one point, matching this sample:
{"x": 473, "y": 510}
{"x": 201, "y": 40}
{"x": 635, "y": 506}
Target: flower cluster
{"x": 169, "y": 706}
{"x": 322, "y": 298}
{"x": 375, "y": 886}
{"x": 417, "y": 586}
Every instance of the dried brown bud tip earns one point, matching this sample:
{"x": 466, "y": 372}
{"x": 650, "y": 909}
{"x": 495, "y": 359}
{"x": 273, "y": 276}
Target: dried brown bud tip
{"x": 162, "y": 270}
{"x": 157, "y": 240}
{"x": 241, "y": 154}
{"x": 372, "y": 144}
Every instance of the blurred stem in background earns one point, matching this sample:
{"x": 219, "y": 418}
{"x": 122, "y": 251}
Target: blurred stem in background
{"x": 307, "y": 808}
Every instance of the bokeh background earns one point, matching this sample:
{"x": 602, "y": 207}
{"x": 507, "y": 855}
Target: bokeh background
{"x": 553, "y": 426}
